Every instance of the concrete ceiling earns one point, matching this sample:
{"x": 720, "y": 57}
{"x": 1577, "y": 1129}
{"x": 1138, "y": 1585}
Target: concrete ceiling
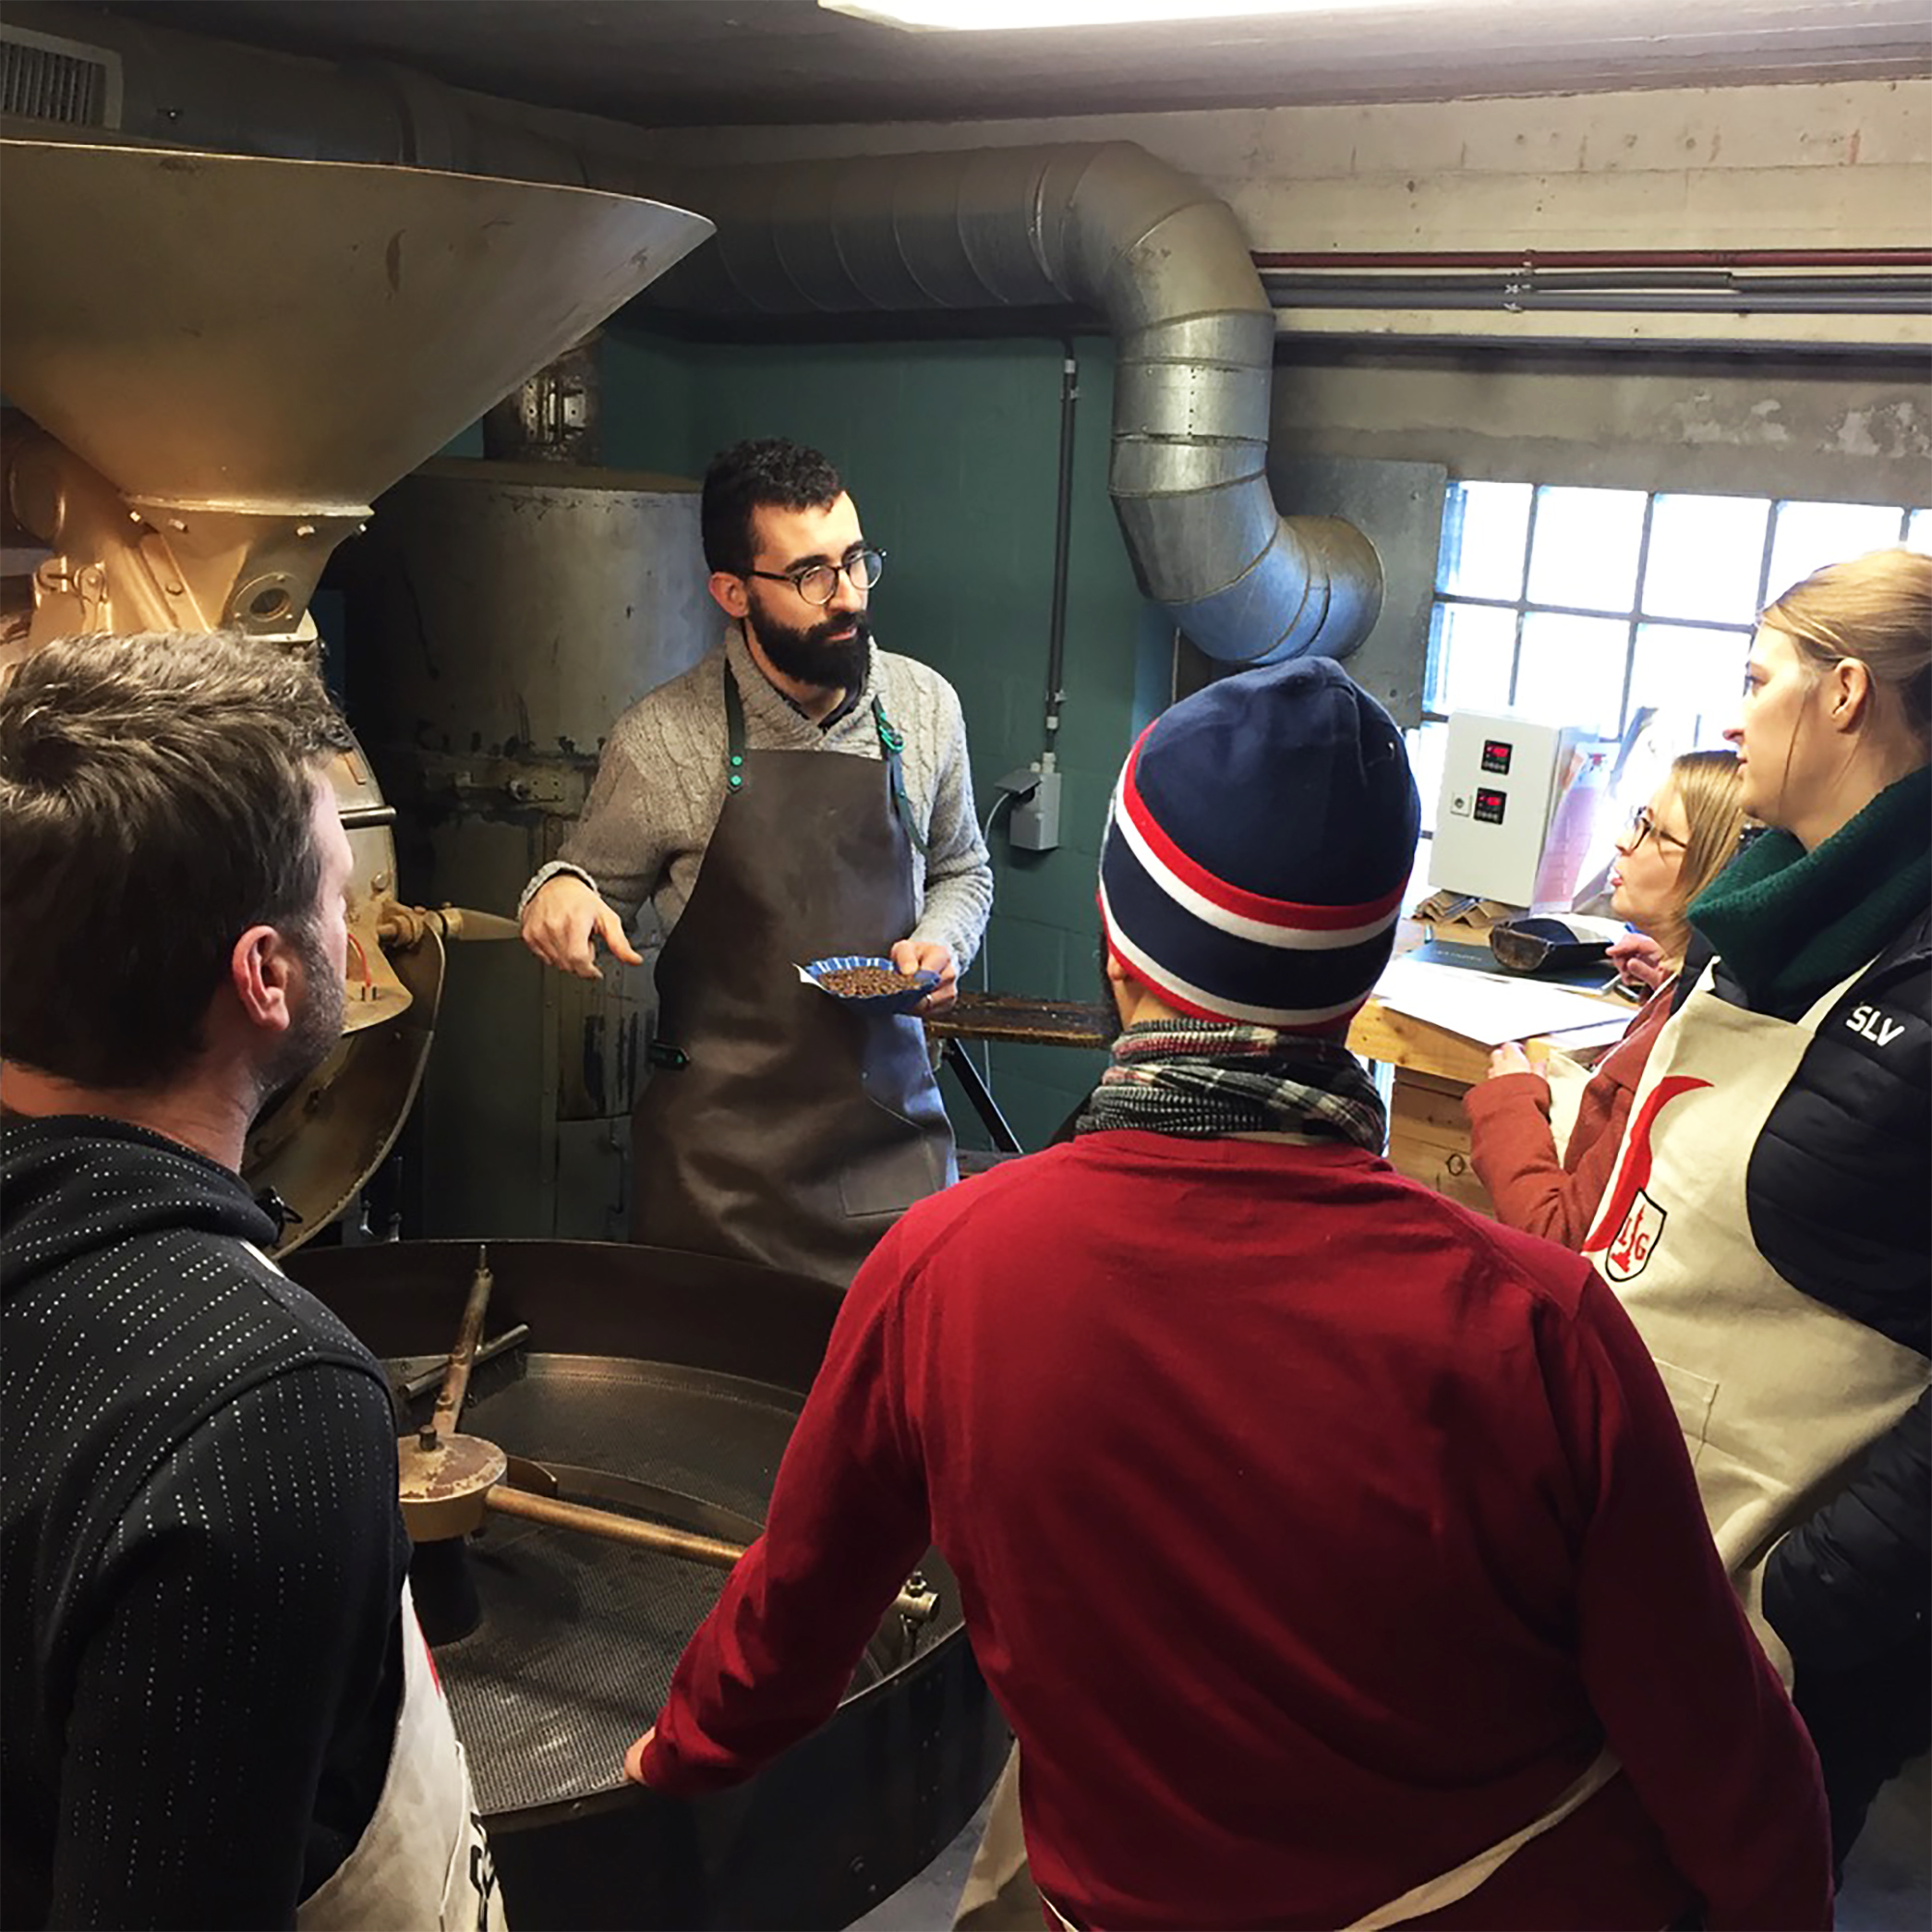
{"x": 702, "y": 63}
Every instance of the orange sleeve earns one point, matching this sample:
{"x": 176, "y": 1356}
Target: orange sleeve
{"x": 1514, "y": 1153}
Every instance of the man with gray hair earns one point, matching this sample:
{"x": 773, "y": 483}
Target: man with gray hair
{"x": 216, "y": 1708}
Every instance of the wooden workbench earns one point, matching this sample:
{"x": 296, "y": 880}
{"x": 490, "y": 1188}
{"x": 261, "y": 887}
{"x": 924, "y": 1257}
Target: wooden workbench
{"x": 1025, "y": 1022}
{"x": 1428, "y": 1133}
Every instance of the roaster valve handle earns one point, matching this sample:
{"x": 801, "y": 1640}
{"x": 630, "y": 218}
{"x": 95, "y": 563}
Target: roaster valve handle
{"x": 919, "y": 1602}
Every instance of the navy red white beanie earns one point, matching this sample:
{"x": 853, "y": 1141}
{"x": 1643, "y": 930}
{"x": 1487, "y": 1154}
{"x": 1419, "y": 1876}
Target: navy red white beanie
{"x": 1258, "y": 847}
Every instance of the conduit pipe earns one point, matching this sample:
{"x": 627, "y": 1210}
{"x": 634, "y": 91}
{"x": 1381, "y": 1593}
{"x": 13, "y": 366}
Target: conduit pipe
{"x": 1600, "y": 294}
{"x": 1110, "y": 228}
{"x": 1532, "y": 261}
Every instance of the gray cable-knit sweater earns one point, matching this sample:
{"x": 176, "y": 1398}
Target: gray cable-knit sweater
{"x": 660, "y": 787}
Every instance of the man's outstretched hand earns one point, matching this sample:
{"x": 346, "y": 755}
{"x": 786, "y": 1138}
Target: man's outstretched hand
{"x": 563, "y": 921}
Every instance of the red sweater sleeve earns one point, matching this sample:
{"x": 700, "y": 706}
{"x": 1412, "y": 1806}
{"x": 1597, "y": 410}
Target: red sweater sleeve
{"x": 1688, "y": 1702}
{"x": 847, "y": 1524}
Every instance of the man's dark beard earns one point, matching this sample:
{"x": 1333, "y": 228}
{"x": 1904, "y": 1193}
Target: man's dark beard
{"x": 813, "y": 656}
{"x": 316, "y": 1027}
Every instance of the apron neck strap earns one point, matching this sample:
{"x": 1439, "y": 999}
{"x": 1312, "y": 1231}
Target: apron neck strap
{"x": 891, "y": 746}
{"x": 734, "y": 735}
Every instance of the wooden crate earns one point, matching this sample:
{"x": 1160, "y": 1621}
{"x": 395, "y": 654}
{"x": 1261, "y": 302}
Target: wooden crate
{"x": 1428, "y": 1138}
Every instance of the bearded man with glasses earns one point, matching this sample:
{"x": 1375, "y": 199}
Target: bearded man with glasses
{"x": 798, "y": 794}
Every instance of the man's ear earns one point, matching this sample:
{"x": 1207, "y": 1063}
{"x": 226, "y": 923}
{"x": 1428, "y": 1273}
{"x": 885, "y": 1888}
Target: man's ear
{"x": 262, "y": 970}
{"x": 729, "y": 593}
{"x": 1848, "y": 694}
{"x": 1113, "y": 968}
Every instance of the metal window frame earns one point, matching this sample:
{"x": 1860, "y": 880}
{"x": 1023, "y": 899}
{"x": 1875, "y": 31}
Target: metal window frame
{"x": 1633, "y": 617}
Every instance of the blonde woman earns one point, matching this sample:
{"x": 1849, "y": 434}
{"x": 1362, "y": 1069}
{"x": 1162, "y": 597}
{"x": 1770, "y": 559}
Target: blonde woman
{"x": 1767, "y": 1225}
{"x": 1670, "y": 851}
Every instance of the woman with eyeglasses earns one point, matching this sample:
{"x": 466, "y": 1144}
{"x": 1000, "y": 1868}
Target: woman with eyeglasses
{"x": 1767, "y": 1225}
{"x": 1548, "y": 1183}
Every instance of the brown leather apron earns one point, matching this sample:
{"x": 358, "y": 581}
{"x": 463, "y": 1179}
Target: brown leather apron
{"x": 780, "y": 1126}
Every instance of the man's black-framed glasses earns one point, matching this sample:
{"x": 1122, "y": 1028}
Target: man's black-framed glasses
{"x": 817, "y": 583}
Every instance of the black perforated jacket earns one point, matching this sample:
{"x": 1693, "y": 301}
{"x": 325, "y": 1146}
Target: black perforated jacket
{"x": 200, "y": 1548}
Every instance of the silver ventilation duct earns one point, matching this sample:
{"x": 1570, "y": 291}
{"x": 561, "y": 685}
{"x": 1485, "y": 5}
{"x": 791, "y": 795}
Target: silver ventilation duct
{"x": 1110, "y": 228}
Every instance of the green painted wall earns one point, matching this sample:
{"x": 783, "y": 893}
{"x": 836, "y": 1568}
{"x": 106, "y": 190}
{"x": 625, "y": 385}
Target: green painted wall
{"x": 951, "y": 451}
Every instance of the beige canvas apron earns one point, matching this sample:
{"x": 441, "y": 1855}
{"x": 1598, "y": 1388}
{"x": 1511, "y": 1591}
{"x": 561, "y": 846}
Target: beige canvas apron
{"x": 1776, "y": 1393}
{"x": 1567, "y": 1079}
{"x": 423, "y": 1863}
{"x": 1433, "y": 1895}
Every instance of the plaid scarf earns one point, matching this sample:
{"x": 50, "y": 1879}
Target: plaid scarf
{"x": 1202, "y": 1078}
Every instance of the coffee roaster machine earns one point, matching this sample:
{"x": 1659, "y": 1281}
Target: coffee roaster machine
{"x": 216, "y": 364}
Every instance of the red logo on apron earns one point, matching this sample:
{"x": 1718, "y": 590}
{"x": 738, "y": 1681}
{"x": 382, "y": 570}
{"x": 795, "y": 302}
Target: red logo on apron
{"x": 1634, "y": 1168}
{"x": 1636, "y": 1241}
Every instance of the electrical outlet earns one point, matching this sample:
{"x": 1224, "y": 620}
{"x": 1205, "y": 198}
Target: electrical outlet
{"x": 1034, "y": 823}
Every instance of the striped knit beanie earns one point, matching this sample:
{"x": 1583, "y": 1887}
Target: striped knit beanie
{"x": 1257, "y": 849}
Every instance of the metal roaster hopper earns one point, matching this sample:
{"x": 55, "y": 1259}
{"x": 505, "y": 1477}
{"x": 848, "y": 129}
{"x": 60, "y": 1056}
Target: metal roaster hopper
{"x": 219, "y": 362}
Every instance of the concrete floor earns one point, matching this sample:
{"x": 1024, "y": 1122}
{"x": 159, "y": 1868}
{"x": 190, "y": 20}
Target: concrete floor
{"x": 1888, "y": 1883}
{"x": 1888, "y": 1876}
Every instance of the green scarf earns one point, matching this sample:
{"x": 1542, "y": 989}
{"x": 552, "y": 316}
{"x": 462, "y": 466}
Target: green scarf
{"x": 1791, "y": 922}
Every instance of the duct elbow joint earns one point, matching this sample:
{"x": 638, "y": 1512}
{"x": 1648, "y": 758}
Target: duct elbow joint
{"x": 1350, "y": 566}
{"x": 1315, "y": 588}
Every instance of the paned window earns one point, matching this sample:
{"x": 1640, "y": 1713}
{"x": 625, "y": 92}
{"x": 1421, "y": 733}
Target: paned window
{"x": 1582, "y": 606}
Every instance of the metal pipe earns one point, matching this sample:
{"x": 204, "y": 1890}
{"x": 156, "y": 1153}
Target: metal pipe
{"x": 488, "y": 1351}
{"x": 1663, "y": 301}
{"x": 1265, "y": 259}
{"x": 915, "y": 1602}
{"x": 1063, "y": 524}
{"x": 448, "y": 1410}
{"x": 1620, "y": 279}
{"x": 1105, "y": 227}
{"x": 558, "y": 1513}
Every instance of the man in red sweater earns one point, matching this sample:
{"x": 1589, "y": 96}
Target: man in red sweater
{"x": 1333, "y": 1552}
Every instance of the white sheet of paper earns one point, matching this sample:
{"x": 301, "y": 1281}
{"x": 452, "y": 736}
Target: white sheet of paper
{"x": 1488, "y": 1008}
{"x": 1590, "y": 1042}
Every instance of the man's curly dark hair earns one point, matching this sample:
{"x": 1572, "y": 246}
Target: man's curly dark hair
{"x": 769, "y": 473}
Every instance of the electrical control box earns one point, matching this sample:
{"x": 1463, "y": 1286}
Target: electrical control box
{"x": 1035, "y": 826}
{"x": 1503, "y": 779}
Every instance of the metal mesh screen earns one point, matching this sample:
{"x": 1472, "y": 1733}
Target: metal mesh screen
{"x": 580, "y": 1635}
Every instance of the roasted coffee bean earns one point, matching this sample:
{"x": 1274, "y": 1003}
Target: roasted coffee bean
{"x": 864, "y": 981}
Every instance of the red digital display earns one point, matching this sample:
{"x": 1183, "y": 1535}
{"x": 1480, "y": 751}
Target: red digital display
{"x": 1490, "y": 806}
{"x": 1496, "y": 753}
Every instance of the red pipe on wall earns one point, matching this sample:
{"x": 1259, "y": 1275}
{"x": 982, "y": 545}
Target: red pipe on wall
{"x": 1609, "y": 258}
